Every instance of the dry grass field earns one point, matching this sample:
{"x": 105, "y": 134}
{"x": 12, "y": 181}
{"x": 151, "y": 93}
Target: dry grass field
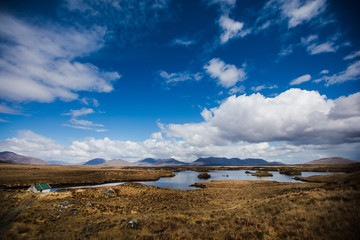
{"x": 13, "y": 175}
{"x": 326, "y": 207}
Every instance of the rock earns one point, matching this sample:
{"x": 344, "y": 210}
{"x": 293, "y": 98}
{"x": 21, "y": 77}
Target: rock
{"x": 66, "y": 203}
{"x": 198, "y": 185}
{"x": 89, "y": 228}
{"x": 109, "y": 192}
{"x": 133, "y": 224}
{"x": 88, "y": 204}
{"x": 63, "y": 208}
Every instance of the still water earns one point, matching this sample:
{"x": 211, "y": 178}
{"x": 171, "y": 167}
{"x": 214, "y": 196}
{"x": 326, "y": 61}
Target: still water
{"x": 183, "y": 180}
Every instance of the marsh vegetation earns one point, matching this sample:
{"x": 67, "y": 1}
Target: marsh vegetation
{"x": 204, "y": 176}
{"x": 325, "y": 207}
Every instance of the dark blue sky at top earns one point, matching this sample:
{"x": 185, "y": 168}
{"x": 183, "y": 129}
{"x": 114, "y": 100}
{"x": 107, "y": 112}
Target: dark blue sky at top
{"x": 144, "y": 46}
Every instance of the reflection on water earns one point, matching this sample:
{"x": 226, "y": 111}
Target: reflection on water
{"x": 183, "y": 180}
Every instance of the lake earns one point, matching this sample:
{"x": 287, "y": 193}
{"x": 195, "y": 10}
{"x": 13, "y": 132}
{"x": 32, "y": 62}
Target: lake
{"x": 183, "y": 180}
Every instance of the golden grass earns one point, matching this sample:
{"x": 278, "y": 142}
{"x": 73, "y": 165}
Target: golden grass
{"x": 13, "y": 175}
{"x": 222, "y": 210}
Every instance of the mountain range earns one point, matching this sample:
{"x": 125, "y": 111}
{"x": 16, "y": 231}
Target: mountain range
{"x": 10, "y": 157}
{"x": 160, "y": 162}
{"x": 216, "y": 161}
{"x": 95, "y": 161}
{"x": 333, "y": 160}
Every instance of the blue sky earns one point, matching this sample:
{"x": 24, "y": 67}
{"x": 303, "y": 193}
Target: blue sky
{"x": 272, "y": 79}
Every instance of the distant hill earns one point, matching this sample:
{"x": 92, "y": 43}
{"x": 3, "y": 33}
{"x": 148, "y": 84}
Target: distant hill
{"x": 10, "y": 157}
{"x": 59, "y": 163}
{"x": 117, "y": 162}
{"x": 160, "y": 162}
{"x": 217, "y": 161}
{"x": 95, "y": 161}
{"x": 332, "y": 160}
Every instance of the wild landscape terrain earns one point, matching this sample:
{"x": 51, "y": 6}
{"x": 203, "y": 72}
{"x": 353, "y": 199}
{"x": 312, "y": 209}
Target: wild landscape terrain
{"x": 323, "y": 207}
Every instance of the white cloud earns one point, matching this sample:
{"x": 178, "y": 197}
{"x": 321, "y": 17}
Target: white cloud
{"x": 264, "y": 26}
{"x": 240, "y": 89}
{"x": 174, "y": 78}
{"x": 183, "y": 42}
{"x": 231, "y": 29}
{"x": 85, "y": 125}
{"x": 38, "y": 63}
{"x": 298, "y": 12}
{"x": 31, "y": 144}
{"x": 346, "y": 107}
{"x": 301, "y": 79}
{"x": 285, "y": 51}
{"x": 8, "y": 110}
{"x": 297, "y": 116}
{"x": 82, "y": 123}
{"x": 229, "y": 2}
{"x": 309, "y": 39}
{"x": 225, "y": 5}
{"x": 293, "y": 12}
{"x": 321, "y": 48}
{"x": 261, "y": 87}
{"x": 352, "y": 55}
{"x": 79, "y": 112}
{"x": 157, "y": 136}
{"x": 226, "y": 74}
{"x": 352, "y": 72}
{"x": 89, "y": 101}
{"x": 313, "y": 46}
{"x": 325, "y": 71}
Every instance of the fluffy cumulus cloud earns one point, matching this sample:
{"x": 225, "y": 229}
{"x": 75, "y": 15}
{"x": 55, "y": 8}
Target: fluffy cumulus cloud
{"x": 227, "y": 75}
{"x": 293, "y": 127}
{"x": 301, "y": 79}
{"x": 231, "y": 29}
{"x": 38, "y": 63}
{"x": 296, "y": 116}
{"x": 28, "y": 143}
{"x": 31, "y": 144}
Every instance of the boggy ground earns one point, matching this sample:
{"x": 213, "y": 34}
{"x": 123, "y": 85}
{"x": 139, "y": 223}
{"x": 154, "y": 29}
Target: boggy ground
{"x": 21, "y": 176}
{"x": 327, "y": 209}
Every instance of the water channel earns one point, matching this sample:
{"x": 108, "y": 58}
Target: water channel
{"x": 183, "y": 180}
